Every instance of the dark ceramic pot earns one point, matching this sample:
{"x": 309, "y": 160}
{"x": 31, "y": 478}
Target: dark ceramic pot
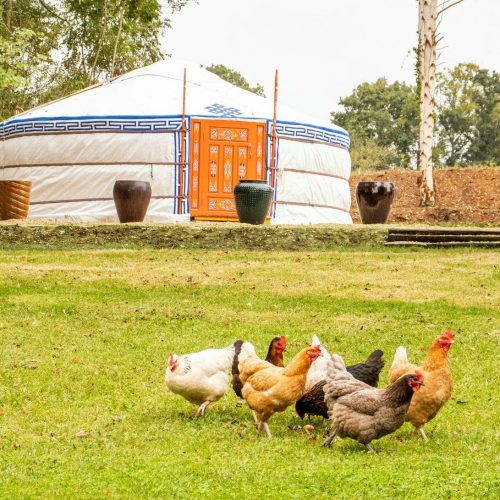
{"x": 374, "y": 201}
{"x": 253, "y": 199}
{"x": 14, "y": 199}
{"x": 131, "y": 200}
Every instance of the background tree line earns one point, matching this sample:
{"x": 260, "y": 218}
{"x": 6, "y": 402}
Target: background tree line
{"x": 50, "y": 48}
{"x": 383, "y": 120}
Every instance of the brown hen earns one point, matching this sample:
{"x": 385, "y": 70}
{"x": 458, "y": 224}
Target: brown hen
{"x": 272, "y": 389}
{"x": 438, "y": 382}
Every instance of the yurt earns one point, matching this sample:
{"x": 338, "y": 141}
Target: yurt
{"x": 192, "y": 138}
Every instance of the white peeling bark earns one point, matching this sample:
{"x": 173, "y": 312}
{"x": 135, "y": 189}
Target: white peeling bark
{"x": 427, "y": 13}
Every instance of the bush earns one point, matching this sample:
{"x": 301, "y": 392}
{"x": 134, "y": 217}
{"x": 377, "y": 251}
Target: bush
{"x": 368, "y": 155}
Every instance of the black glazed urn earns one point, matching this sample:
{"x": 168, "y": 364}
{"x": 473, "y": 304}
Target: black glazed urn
{"x": 253, "y": 199}
{"x": 131, "y": 200}
{"x": 374, "y": 201}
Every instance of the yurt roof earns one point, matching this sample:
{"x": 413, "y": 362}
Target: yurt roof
{"x": 156, "y": 90}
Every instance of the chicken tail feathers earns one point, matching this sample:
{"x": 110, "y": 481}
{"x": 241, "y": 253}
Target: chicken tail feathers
{"x": 375, "y": 359}
{"x": 237, "y": 349}
{"x": 400, "y": 356}
{"x": 315, "y": 341}
{"x": 368, "y": 371}
{"x": 400, "y": 364}
{"x": 235, "y": 371}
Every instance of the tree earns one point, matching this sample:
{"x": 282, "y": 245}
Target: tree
{"x": 236, "y": 78}
{"x": 468, "y": 110}
{"x": 382, "y": 120}
{"x": 76, "y": 43}
{"x": 485, "y": 147}
{"x": 27, "y": 38}
{"x": 428, "y": 14}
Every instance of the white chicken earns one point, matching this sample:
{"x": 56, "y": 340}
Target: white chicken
{"x": 201, "y": 377}
{"x": 319, "y": 367}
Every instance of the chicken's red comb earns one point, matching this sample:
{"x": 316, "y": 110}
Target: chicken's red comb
{"x": 419, "y": 375}
{"x": 283, "y": 340}
{"x": 171, "y": 361}
{"x": 448, "y": 335}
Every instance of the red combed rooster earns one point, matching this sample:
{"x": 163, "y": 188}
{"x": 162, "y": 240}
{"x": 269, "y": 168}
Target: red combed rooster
{"x": 438, "y": 382}
{"x": 271, "y": 389}
{"x": 362, "y": 412}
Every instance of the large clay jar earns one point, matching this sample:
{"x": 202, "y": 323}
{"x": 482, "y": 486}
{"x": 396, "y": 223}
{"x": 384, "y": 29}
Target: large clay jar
{"x": 14, "y": 199}
{"x": 374, "y": 201}
{"x": 131, "y": 200}
{"x": 253, "y": 199}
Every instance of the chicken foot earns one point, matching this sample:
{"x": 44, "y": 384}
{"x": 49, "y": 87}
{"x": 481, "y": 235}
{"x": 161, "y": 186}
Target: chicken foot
{"x": 201, "y": 409}
{"x": 328, "y": 441}
{"x": 369, "y": 449}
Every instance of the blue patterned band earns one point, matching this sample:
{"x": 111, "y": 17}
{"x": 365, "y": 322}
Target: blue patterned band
{"x": 153, "y": 124}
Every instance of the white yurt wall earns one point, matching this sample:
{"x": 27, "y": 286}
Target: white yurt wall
{"x": 73, "y": 173}
{"x": 312, "y": 184}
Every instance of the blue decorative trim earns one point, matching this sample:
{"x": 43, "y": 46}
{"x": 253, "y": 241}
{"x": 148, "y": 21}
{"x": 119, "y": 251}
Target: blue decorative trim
{"x": 89, "y": 117}
{"x": 276, "y": 180}
{"x": 313, "y": 133}
{"x": 155, "y": 123}
{"x": 269, "y": 163}
{"x": 86, "y": 124}
{"x": 185, "y": 181}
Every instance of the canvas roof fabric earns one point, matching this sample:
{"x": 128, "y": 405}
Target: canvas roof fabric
{"x": 74, "y": 149}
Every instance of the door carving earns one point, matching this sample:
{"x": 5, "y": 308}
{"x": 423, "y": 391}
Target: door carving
{"x": 222, "y": 153}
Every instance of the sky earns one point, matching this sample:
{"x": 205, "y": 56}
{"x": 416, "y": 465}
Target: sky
{"x": 324, "y": 48}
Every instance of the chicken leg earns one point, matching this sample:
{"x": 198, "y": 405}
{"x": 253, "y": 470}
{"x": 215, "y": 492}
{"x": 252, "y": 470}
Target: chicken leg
{"x": 268, "y": 431}
{"x": 423, "y": 434}
{"x": 264, "y": 426}
{"x": 328, "y": 441}
{"x": 201, "y": 409}
{"x": 370, "y": 449}
{"x": 255, "y": 419}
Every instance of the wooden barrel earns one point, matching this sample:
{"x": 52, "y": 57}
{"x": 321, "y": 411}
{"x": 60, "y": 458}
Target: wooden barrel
{"x": 14, "y": 199}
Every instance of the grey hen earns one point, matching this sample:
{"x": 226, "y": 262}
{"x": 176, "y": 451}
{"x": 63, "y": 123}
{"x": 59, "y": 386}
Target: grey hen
{"x": 364, "y": 413}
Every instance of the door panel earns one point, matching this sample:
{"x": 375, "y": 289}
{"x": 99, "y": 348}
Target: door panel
{"x": 222, "y": 153}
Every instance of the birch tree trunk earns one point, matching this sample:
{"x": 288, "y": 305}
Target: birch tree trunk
{"x": 427, "y": 18}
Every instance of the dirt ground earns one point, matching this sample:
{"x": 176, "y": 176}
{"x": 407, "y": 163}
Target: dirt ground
{"x": 466, "y": 195}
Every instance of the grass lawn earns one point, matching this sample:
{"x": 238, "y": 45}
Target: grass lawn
{"x": 85, "y": 336}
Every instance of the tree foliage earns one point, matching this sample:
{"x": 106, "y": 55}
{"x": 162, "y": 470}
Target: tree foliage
{"x": 236, "y": 78}
{"x": 382, "y": 119}
{"x": 469, "y": 115}
{"x": 384, "y": 116}
{"x": 50, "y": 48}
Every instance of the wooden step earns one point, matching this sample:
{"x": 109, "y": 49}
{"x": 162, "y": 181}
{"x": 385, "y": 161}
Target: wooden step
{"x": 448, "y": 244}
{"x": 444, "y": 237}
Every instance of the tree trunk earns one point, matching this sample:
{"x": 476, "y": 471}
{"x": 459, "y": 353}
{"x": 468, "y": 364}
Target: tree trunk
{"x": 9, "y": 17}
{"x": 116, "y": 44}
{"x": 427, "y": 13}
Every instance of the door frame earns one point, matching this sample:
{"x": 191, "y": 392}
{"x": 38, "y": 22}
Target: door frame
{"x": 199, "y": 139}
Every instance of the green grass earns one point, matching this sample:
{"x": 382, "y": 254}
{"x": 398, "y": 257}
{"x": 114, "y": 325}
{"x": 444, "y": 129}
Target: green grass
{"x": 85, "y": 335}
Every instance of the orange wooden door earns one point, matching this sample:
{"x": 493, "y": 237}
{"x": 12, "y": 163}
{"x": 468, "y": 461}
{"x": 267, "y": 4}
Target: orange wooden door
{"x": 222, "y": 153}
